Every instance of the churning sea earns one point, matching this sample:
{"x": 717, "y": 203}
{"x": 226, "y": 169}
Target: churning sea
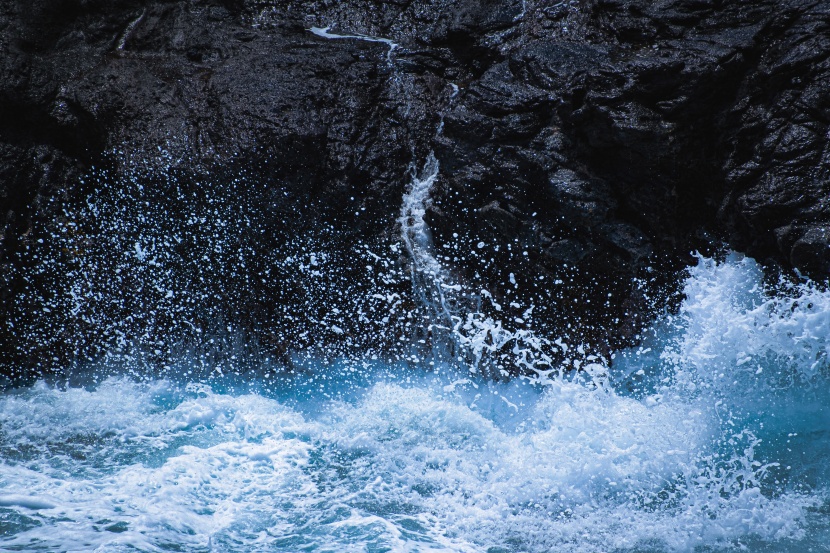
{"x": 713, "y": 435}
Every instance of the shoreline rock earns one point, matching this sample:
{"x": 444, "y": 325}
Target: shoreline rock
{"x": 596, "y": 142}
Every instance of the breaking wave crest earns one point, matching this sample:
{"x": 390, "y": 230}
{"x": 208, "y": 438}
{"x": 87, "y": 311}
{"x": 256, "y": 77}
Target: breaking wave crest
{"x": 713, "y": 434}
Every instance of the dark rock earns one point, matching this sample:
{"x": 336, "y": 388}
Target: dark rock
{"x": 588, "y": 142}
{"x": 812, "y": 251}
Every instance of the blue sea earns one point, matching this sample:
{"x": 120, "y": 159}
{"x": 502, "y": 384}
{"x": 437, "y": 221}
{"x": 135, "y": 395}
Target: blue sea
{"x": 713, "y": 434}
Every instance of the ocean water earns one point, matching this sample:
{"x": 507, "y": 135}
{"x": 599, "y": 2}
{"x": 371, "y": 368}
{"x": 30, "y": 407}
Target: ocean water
{"x": 713, "y": 435}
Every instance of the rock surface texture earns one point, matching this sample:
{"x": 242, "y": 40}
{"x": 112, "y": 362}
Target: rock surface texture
{"x": 581, "y": 142}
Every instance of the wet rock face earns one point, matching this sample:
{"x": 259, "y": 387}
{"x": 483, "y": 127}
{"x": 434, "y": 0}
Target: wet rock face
{"x": 658, "y": 106}
{"x": 588, "y": 140}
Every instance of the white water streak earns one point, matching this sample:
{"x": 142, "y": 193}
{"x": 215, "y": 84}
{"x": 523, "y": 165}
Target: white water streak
{"x": 417, "y": 239}
{"x": 122, "y": 41}
{"x": 474, "y": 332}
{"x": 323, "y": 32}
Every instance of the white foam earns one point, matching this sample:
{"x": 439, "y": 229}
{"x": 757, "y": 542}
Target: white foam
{"x": 455, "y": 463}
{"x": 323, "y": 32}
{"x": 404, "y": 465}
{"x": 732, "y": 324}
{"x": 26, "y": 501}
{"x": 417, "y": 237}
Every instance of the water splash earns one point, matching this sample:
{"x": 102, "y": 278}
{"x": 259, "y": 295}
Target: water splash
{"x": 459, "y": 328}
{"x": 427, "y": 272}
{"x": 711, "y": 435}
{"x": 683, "y": 446}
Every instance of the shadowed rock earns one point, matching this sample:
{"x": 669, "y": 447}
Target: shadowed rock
{"x": 588, "y": 141}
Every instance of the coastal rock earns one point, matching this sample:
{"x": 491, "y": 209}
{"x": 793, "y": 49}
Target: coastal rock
{"x": 596, "y": 143}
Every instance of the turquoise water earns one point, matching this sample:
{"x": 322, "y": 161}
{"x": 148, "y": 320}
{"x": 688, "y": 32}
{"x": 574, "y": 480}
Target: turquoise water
{"x": 713, "y": 435}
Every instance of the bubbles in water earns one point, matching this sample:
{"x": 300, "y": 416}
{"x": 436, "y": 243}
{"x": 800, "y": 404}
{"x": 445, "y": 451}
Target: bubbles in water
{"x": 295, "y": 421}
{"x": 681, "y": 445}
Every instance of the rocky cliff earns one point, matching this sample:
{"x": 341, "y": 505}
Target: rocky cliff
{"x": 586, "y": 149}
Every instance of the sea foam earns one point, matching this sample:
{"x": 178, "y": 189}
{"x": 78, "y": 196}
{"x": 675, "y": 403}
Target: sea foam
{"x": 686, "y": 446}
